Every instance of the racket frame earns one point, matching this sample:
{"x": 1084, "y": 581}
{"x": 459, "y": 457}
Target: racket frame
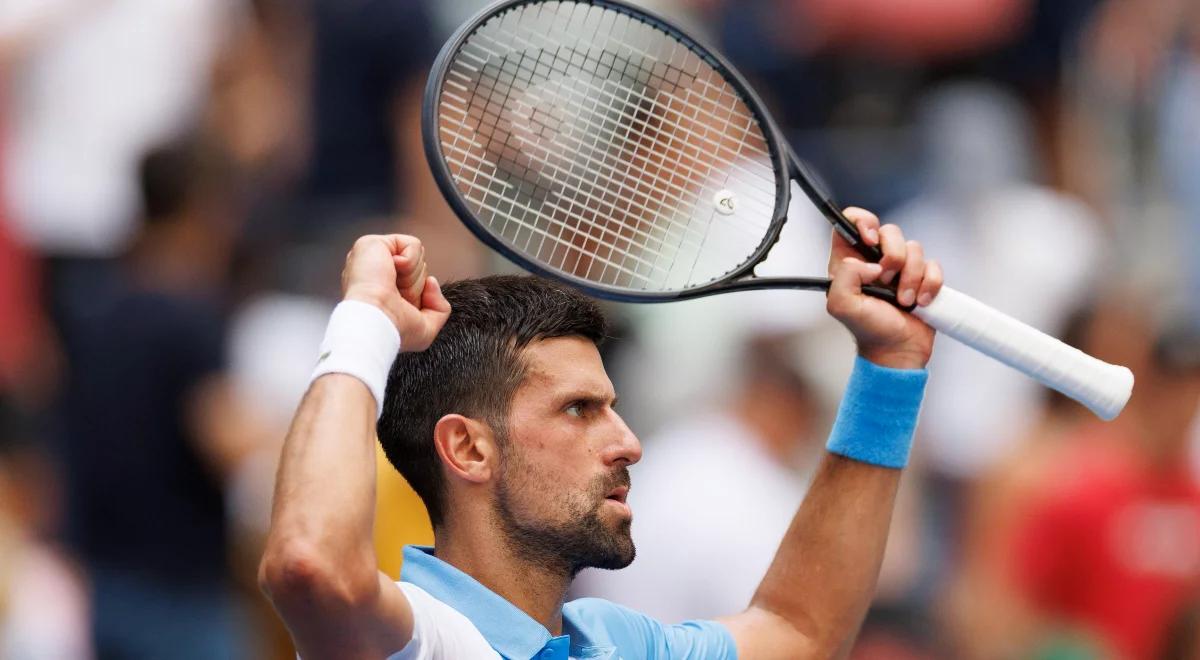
{"x": 1102, "y": 387}
{"x": 787, "y": 167}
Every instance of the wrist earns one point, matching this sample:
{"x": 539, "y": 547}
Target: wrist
{"x": 893, "y": 357}
{"x": 360, "y": 341}
{"x": 878, "y": 414}
{"x": 373, "y": 295}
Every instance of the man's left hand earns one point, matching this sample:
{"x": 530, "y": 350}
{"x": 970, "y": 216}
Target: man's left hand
{"x": 886, "y": 336}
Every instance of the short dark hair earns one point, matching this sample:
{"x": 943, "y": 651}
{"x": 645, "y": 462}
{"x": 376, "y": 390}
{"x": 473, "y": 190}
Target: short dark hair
{"x": 474, "y": 367}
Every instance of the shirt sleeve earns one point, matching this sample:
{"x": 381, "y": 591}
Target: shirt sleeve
{"x": 439, "y": 631}
{"x": 636, "y": 635}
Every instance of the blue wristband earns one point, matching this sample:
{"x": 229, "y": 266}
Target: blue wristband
{"x": 878, "y": 415}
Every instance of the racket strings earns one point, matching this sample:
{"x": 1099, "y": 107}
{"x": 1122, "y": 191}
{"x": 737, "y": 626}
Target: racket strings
{"x": 642, "y": 129}
{"x": 597, "y": 162}
{"x": 641, "y": 132}
{"x": 677, "y": 125}
{"x": 627, "y": 140}
{"x": 579, "y": 188}
{"x": 594, "y": 143}
{"x": 606, "y": 167}
{"x": 743, "y": 131}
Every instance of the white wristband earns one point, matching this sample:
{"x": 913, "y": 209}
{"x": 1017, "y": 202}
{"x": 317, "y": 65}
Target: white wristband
{"x": 360, "y": 341}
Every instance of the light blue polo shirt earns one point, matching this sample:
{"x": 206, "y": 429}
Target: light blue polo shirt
{"x": 875, "y": 424}
{"x": 593, "y": 628}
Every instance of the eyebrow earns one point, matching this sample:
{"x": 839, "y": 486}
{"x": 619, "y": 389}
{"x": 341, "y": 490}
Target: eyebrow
{"x": 592, "y": 398}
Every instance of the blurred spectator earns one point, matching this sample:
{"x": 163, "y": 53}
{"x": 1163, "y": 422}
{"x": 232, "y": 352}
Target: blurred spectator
{"x": 94, "y": 83}
{"x": 996, "y": 233}
{"x": 256, "y": 102}
{"x": 1180, "y": 146}
{"x": 369, "y": 60}
{"x": 150, "y": 427}
{"x": 983, "y": 614}
{"x": 43, "y": 605}
{"x": 1109, "y": 547}
{"x": 320, "y": 103}
{"x": 1125, "y": 78}
{"x": 700, "y": 478}
{"x": 90, "y": 86}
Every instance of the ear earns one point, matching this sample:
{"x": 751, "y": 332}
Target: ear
{"x": 467, "y": 447}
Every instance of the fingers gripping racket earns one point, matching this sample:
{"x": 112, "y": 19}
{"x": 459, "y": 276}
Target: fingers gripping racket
{"x": 594, "y": 142}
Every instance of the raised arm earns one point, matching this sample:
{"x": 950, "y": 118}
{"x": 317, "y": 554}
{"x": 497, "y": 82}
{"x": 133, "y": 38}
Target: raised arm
{"x": 319, "y": 567}
{"x": 818, "y": 588}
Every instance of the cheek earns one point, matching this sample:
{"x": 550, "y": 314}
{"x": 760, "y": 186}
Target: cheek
{"x": 555, "y": 442}
{"x": 548, "y": 485}
{"x": 555, "y": 456}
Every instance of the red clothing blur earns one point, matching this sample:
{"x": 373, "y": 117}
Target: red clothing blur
{"x": 19, "y": 312}
{"x": 920, "y": 28}
{"x": 1112, "y": 545}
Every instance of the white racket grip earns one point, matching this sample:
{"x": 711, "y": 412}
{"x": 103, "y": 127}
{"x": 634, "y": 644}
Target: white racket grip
{"x": 1104, "y": 388}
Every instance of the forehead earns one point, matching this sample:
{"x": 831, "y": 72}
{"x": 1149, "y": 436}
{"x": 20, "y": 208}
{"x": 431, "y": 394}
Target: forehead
{"x": 564, "y": 363}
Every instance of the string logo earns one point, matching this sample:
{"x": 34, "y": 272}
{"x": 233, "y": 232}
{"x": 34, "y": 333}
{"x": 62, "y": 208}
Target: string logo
{"x": 725, "y": 201}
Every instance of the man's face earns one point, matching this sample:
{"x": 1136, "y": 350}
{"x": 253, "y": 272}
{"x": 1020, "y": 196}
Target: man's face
{"x": 564, "y": 478}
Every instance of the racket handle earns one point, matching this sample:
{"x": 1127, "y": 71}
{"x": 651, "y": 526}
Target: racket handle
{"x": 1104, "y": 388}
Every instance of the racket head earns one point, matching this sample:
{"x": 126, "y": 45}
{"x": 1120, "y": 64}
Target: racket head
{"x": 470, "y": 137}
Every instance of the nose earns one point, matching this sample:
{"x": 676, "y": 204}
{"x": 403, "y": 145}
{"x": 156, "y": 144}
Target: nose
{"x": 624, "y": 448}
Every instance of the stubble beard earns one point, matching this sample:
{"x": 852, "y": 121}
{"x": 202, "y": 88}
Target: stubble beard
{"x": 583, "y": 541}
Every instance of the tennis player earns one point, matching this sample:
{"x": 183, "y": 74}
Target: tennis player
{"x": 501, "y": 416}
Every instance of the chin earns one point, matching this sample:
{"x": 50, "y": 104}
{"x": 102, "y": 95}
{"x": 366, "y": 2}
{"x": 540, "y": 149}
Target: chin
{"x": 619, "y": 551}
{"x": 615, "y": 561}
{"x": 627, "y": 558}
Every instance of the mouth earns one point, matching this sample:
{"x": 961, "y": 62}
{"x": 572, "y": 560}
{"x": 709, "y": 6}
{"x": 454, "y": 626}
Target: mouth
{"x": 618, "y": 494}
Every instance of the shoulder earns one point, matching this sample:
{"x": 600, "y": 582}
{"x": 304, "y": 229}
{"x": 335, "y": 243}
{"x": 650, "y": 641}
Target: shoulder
{"x": 605, "y": 623}
{"x": 440, "y": 631}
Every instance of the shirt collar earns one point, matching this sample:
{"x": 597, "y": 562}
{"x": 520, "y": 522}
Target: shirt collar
{"x": 511, "y": 632}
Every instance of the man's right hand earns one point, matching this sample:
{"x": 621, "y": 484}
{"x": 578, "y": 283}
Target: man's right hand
{"x": 390, "y": 272}
{"x": 319, "y": 567}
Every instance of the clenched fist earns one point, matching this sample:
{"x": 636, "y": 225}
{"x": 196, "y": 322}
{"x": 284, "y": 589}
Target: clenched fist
{"x": 389, "y": 272}
{"x": 885, "y": 335}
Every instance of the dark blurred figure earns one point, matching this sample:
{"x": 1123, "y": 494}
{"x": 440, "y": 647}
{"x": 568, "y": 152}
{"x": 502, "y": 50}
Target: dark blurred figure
{"x": 357, "y": 70}
{"x": 1106, "y": 550}
{"x": 1183, "y": 637}
{"x": 149, "y": 429}
{"x": 369, "y": 60}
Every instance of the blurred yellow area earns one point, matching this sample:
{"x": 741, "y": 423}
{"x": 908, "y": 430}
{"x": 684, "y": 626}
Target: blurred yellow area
{"x": 400, "y": 516}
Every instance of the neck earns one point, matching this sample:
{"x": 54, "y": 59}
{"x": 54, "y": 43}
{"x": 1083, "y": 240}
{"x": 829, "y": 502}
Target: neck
{"x": 533, "y": 586}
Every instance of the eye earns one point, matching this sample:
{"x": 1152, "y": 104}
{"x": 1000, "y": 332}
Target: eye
{"x": 576, "y": 409}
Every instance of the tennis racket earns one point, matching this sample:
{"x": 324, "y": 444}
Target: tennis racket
{"x": 596, "y": 143}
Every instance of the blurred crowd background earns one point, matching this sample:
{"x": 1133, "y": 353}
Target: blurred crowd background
{"x": 182, "y": 178}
